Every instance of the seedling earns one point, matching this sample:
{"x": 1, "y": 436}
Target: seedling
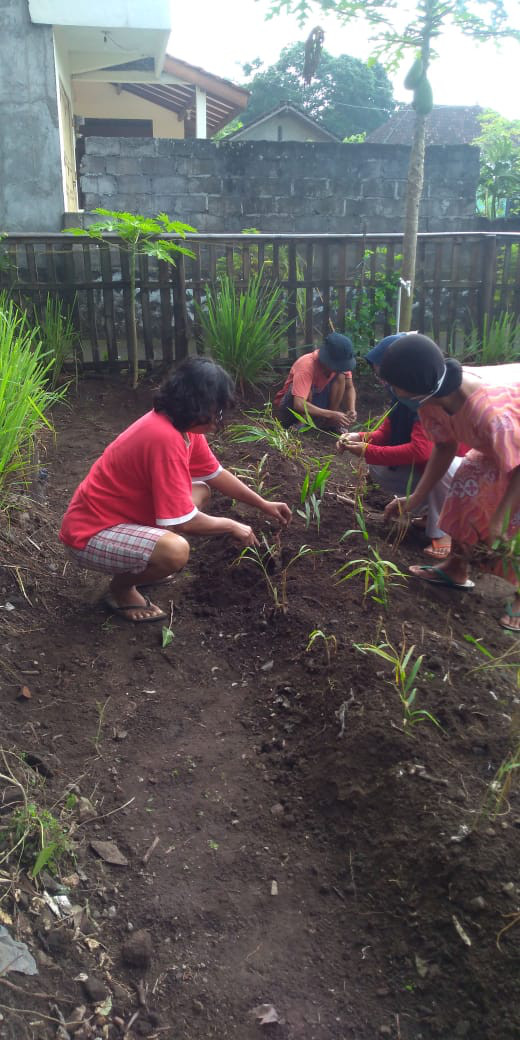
{"x": 264, "y": 426}
{"x": 405, "y": 674}
{"x": 268, "y": 559}
{"x": 498, "y": 793}
{"x": 256, "y": 475}
{"x": 167, "y": 634}
{"x": 330, "y": 643}
{"x": 312, "y": 492}
{"x": 379, "y": 575}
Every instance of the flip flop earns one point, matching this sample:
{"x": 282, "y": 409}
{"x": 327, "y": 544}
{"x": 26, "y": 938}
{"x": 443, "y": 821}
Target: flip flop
{"x": 122, "y": 611}
{"x": 511, "y": 614}
{"x": 437, "y": 550}
{"x": 439, "y": 577}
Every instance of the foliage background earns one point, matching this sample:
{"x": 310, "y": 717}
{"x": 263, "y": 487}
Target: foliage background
{"x": 345, "y": 96}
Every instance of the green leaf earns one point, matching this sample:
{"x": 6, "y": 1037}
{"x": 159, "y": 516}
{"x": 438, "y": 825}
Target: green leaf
{"x": 167, "y": 636}
{"x": 44, "y": 857}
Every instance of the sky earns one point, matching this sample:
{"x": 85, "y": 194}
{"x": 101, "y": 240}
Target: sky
{"x": 221, "y": 35}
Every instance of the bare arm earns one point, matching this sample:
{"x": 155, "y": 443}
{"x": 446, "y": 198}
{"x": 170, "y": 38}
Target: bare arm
{"x": 231, "y": 486}
{"x": 350, "y": 397}
{"x": 441, "y": 457}
{"x": 203, "y": 524}
{"x": 502, "y": 517}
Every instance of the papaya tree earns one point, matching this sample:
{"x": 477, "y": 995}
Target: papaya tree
{"x": 139, "y": 235}
{"x": 393, "y": 39}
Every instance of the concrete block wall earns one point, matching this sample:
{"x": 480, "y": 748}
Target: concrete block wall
{"x": 279, "y": 187}
{"x": 31, "y": 192}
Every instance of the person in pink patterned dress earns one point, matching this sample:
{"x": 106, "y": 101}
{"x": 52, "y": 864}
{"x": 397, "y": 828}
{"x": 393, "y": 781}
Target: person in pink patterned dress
{"x": 481, "y": 407}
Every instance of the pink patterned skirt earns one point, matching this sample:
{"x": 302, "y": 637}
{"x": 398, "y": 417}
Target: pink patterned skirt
{"x": 476, "y": 489}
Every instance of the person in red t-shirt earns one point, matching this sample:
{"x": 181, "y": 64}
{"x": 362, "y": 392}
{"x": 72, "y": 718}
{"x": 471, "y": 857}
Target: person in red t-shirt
{"x": 396, "y": 454}
{"x": 321, "y": 384}
{"x": 129, "y": 516}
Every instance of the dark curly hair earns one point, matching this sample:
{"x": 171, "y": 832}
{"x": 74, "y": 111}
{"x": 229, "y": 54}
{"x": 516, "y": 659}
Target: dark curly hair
{"x": 195, "y": 393}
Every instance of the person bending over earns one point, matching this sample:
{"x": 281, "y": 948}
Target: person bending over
{"x": 481, "y": 407}
{"x": 321, "y": 383}
{"x": 396, "y": 454}
{"x": 130, "y": 516}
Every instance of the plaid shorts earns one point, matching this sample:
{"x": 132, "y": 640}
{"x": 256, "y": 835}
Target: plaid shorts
{"x": 123, "y": 549}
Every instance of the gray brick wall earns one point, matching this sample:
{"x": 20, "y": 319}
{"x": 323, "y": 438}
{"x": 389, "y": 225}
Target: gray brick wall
{"x": 279, "y": 187}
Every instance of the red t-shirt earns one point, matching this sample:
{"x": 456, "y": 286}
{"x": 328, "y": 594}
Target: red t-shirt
{"x": 143, "y": 477}
{"x": 305, "y": 376}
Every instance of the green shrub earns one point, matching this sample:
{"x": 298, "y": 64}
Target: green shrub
{"x": 243, "y": 329}
{"x": 25, "y": 398}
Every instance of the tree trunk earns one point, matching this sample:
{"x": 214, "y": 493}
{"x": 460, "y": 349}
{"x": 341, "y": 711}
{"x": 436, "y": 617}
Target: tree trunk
{"x": 133, "y": 321}
{"x": 413, "y": 199}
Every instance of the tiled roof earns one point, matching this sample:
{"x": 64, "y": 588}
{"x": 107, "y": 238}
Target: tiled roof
{"x": 447, "y": 124}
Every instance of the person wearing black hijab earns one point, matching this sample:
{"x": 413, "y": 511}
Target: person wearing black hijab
{"x": 481, "y": 408}
{"x": 396, "y": 454}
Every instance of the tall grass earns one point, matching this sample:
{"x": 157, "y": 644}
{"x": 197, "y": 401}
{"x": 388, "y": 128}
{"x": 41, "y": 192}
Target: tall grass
{"x": 60, "y": 341}
{"x": 499, "y": 343}
{"x": 25, "y": 397}
{"x": 244, "y": 329}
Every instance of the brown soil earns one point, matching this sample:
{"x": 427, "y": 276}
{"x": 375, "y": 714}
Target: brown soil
{"x": 254, "y": 762}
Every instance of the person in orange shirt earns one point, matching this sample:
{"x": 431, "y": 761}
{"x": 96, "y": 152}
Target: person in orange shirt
{"x": 321, "y": 383}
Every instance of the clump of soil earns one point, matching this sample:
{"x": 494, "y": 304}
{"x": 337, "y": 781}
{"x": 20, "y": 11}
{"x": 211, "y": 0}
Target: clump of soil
{"x": 284, "y": 839}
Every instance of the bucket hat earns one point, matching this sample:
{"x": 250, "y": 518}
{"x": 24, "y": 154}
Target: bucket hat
{"x": 337, "y": 353}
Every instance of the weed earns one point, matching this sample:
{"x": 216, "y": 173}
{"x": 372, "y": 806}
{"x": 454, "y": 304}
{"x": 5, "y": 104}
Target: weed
{"x": 213, "y": 844}
{"x": 33, "y": 836}
{"x": 330, "y": 643}
{"x": 405, "y": 674}
{"x": 44, "y": 840}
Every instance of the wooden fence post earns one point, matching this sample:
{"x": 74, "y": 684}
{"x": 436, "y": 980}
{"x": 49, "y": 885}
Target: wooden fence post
{"x": 488, "y": 277}
{"x": 180, "y": 311}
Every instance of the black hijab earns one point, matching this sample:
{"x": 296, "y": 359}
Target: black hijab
{"x": 416, "y": 364}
